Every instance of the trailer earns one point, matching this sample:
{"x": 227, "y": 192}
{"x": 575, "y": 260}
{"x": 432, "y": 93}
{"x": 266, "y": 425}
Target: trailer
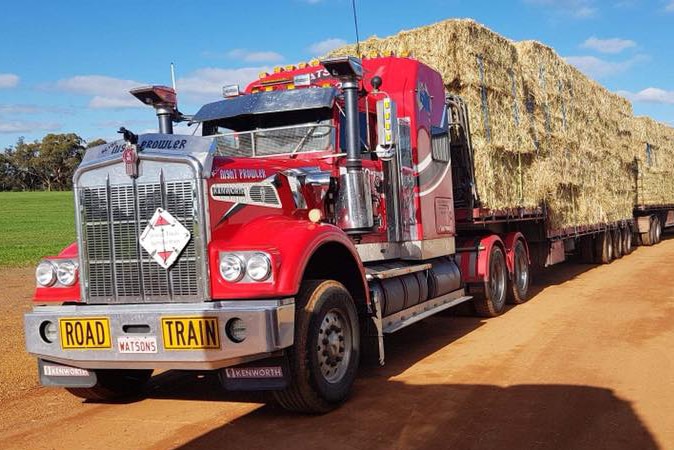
{"x": 322, "y": 208}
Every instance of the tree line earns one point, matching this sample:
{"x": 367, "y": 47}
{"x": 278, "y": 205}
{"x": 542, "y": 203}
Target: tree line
{"x": 43, "y": 165}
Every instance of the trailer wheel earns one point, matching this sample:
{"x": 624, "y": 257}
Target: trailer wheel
{"x": 519, "y": 285}
{"x": 647, "y": 237}
{"x": 114, "y": 384}
{"x": 627, "y": 240}
{"x": 657, "y": 230}
{"x": 603, "y": 248}
{"x": 492, "y": 303}
{"x": 616, "y": 236}
{"x": 587, "y": 250}
{"x": 324, "y": 358}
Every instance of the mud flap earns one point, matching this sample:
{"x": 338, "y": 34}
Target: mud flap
{"x": 267, "y": 375}
{"x": 55, "y": 374}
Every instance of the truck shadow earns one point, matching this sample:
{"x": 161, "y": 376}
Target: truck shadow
{"x": 387, "y": 414}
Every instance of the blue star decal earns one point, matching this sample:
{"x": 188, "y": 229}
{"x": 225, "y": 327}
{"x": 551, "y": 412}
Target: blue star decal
{"x": 423, "y": 98}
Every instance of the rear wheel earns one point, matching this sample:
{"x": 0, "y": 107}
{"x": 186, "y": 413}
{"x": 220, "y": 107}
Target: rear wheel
{"x": 493, "y": 301}
{"x": 114, "y": 384}
{"x": 587, "y": 250}
{"x": 324, "y": 358}
{"x": 627, "y": 240}
{"x": 519, "y": 285}
{"x": 603, "y": 250}
{"x": 657, "y": 230}
{"x": 617, "y": 243}
{"x": 647, "y": 237}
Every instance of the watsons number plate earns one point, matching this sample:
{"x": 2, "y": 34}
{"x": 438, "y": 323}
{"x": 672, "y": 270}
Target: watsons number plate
{"x": 89, "y": 333}
{"x": 190, "y": 333}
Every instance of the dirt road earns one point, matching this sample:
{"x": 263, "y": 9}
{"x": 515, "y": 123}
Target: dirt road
{"x": 587, "y": 363}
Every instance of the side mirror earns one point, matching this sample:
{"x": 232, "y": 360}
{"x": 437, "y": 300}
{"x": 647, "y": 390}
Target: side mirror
{"x": 387, "y": 123}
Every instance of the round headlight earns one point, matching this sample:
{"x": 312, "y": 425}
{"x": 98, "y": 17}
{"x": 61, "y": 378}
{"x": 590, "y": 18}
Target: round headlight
{"x": 236, "y": 330}
{"x": 231, "y": 268}
{"x": 45, "y": 274}
{"x": 66, "y": 272}
{"x": 258, "y": 267}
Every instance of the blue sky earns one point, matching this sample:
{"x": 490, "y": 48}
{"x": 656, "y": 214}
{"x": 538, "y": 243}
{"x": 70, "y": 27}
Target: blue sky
{"x": 67, "y": 66}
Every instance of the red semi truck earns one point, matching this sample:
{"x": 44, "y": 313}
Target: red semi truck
{"x": 322, "y": 208}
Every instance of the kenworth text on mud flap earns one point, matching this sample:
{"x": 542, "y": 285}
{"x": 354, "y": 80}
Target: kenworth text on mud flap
{"x": 322, "y": 208}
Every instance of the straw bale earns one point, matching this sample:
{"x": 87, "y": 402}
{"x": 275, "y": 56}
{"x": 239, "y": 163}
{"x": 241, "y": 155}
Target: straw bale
{"x": 551, "y": 136}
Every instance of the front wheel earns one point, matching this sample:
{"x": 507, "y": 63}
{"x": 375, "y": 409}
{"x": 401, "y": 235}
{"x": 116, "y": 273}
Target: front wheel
{"x": 324, "y": 358}
{"x": 113, "y": 384}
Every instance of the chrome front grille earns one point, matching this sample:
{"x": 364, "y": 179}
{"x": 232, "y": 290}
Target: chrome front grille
{"x": 115, "y": 268}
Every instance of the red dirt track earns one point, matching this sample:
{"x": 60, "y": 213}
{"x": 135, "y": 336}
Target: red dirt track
{"x": 588, "y": 363}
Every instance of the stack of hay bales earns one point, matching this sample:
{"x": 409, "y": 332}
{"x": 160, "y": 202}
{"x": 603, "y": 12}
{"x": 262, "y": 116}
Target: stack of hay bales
{"x": 652, "y": 145}
{"x": 543, "y": 133}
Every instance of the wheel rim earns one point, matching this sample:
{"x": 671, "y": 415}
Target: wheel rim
{"x": 521, "y": 270}
{"x": 497, "y": 278}
{"x": 334, "y": 346}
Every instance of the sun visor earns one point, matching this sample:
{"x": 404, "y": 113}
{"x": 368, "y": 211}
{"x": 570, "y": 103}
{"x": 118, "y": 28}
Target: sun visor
{"x": 267, "y": 102}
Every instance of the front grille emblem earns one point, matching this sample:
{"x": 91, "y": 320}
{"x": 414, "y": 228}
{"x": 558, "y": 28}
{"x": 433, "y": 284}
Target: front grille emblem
{"x": 130, "y": 158}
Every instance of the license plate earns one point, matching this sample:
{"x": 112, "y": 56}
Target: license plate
{"x": 190, "y": 333}
{"x": 89, "y": 333}
{"x": 137, "y": 344}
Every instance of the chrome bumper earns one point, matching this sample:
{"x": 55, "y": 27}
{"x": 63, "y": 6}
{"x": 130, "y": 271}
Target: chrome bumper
{"x": 269, "y": 325}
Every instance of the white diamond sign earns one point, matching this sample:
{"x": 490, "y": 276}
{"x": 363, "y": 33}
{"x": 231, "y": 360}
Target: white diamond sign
{"x": 164, "y": 238}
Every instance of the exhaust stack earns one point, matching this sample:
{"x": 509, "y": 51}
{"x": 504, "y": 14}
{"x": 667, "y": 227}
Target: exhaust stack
{"x": 354, "y": 202}
{"x": 163, "y": 100}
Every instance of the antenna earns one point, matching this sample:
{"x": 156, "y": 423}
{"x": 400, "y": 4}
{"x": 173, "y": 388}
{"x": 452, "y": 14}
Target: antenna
{"x": 173, "y": 77}
{"x": 355, "y": 23}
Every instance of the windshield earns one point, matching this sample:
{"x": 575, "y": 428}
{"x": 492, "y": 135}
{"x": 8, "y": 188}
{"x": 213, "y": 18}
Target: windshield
{"x": 291, "y": 140}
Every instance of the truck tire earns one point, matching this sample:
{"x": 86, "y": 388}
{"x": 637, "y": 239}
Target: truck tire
{"x": 603, "y": 250}
{"x": 648, "y": 238}
{"x": 587, "y": 250}
{"x": 617, "y": 243}
{"x": 114, "y": 384}
{"x": 657, "y": 230}
{"x": 324, "y": 358}
{"x": 627, "y": 240}
{"x": 492, "y": 302}
{"x": 519, "y": 285}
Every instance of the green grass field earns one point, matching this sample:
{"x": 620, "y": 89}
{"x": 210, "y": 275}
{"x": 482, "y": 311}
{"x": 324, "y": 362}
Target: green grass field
{"x": 33, "y": 225}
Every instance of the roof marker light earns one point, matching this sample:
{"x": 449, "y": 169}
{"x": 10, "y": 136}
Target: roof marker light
{"x": 231, "y": 90}
{"x": 302, "y": 80}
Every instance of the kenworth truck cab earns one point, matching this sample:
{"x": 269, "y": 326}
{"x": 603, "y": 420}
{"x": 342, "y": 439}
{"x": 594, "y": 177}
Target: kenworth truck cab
{"x": 314, "y": 214}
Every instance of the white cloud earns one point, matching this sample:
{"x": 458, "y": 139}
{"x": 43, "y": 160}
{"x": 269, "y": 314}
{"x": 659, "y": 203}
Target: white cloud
{"x": 19, "y": 126}
{"x": 580, "y": 9}
{"x": 599, "y": 68}
{"x": 670, "y": 6}
{"x": 650, "y": 95}
{"x": 254, "y": 57}
{"x": 323, "y": 47}
{"x": 612, "y": 46}
{"x": 8, "y": 80}
{"x": 107, "y": 92}
{"x": 207, "y": 83}
{"x": 19, "y": 109}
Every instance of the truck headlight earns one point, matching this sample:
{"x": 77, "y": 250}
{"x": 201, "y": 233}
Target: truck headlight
{"x": 258, "y": 267}
{"x": 45, "y": 274}
{"x": 66, "y": 273}
{"x": 232, "y": 267}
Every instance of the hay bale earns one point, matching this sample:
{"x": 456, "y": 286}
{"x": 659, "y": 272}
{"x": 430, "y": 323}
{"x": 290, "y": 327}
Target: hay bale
{"x": 543, "y": 133}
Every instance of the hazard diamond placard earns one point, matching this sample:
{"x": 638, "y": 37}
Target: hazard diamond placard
{"x": 164, "y": 238}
